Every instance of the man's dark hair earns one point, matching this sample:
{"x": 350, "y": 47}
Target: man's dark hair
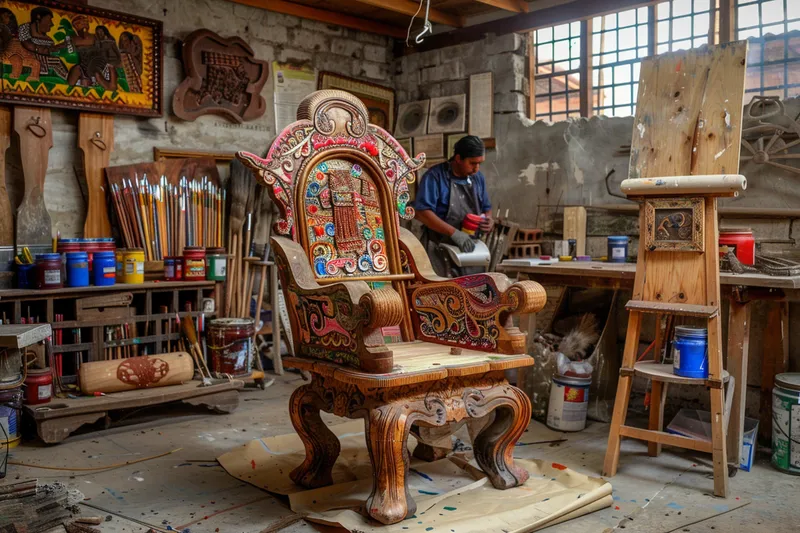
{"x": 469, "y": 146}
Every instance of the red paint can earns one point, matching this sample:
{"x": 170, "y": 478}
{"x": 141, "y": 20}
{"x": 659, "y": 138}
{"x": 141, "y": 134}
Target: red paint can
{"x": 230, "y": 342}
{"x": 38, "y": 386}
{"x": 194, "y": 263}
{"x": 740, "y": 241}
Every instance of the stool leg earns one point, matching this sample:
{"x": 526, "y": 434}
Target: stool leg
{"x": 322, "y": 446}
{"x": 387, "y": 430}
{"x": 494, "y": 445}
{"x": 623, "y": 395}
{"x": 658, "y": 397}
{"x": 718, "y": 443}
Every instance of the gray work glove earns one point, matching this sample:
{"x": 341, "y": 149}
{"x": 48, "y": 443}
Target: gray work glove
{"x": 463, "y": 241}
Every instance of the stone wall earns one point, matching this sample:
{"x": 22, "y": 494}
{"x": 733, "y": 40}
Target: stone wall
{"x": 273, "y": 36}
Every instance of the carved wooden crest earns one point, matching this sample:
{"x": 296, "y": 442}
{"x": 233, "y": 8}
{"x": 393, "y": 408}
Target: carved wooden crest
{"x": 222, "y": 77}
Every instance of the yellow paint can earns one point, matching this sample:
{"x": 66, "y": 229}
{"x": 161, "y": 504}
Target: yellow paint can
{"x": 134, "y": 265}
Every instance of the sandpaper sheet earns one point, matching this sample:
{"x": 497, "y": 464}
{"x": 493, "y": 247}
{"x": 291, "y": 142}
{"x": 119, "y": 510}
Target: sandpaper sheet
{"x": 451, "y": 494}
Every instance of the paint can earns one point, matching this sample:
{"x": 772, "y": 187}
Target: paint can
{"x": 48, "y": 270}
{"x": 120, "y": 259}
{"x": 38, "y": 386}
{"x": 230, "y": 342}
{"x": 617, "y": 249}
{"x": 194, "y": 263}
{"x": 786, "y": 423}
{"x": 26, "y": 276}
{"x": 569, "y": 403}
{"x": 740, "y": 241}
{"x": 216, "y": 264}
{"x": 134, "y": 266}
{"x": 690, "y": 352}
{"x": 77, "y": 269}
{"x": 10, "y": 417}
{"x": 105, "y": 268}
{"x": 90, "y": 246}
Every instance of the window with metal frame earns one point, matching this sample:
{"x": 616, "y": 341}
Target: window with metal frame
{"x": 773, "y": 59}
{"x": 619, "y": 42}
{"x": 683, "y": 24}
{"x": 556, "y": 78}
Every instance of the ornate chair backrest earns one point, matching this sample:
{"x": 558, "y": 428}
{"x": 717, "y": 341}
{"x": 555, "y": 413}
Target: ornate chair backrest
{"x": 341, "y": 185}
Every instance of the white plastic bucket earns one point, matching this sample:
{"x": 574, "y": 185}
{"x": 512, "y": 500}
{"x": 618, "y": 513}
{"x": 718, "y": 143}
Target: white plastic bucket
{"x": 569, "y": 403}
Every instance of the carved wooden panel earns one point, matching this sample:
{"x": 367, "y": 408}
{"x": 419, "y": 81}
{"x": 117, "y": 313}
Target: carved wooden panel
{"x": 674, "y": 224}
{"x": 223, "y": 77}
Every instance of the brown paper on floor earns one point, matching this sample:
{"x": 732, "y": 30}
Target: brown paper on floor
{"x": 450, "y": 494}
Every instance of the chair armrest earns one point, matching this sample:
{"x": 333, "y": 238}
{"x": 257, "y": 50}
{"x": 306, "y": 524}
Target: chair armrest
{"x": 471, "y": 311}
{"x": 337, "y": 321}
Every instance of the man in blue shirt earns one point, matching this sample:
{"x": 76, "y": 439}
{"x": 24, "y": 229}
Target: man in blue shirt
{"x": 447, "y": 193}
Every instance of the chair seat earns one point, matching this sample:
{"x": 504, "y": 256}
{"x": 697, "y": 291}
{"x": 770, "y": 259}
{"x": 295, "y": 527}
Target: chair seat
{"x": 416, "y": 362}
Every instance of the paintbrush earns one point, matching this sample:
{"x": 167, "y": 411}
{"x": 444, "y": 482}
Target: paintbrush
{"x": 239, "y": 185}
{"x": 187, "y": 327}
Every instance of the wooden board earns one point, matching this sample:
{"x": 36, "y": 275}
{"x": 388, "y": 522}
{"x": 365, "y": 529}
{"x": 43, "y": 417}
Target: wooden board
{"x": 702, "y": 311}
{"x": 34, "y": 128}
{"x": 173, "y": 169}
{"x": 96, "y": 141}
{"x": 6, "y": 214}
{"x": 57, "y": 419}
{"x": 575, "y": 227}
{"x": 77, "y": 291}
{"x": 20, "y": 335}
{"x": 416, "y": 362}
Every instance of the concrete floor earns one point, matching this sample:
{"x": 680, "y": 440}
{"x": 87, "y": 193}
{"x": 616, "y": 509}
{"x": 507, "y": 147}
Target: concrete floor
{"x": 188, "y": 489}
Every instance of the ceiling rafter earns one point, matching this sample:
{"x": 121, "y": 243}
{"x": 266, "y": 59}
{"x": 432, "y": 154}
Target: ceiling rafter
{"x": 406, "y": 7}
{"x": 327, "y": 17}
{"x": 516, "y": 6}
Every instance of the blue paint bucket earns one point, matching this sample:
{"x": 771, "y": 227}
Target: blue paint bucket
{"x": 105, "y": 268}
{"x": 77, "y": 269}
{"x": 690, "y": 352}
{"x": 617, "y": 249}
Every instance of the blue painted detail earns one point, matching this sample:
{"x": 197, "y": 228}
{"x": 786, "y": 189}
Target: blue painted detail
{"x": 319, "y": 266}
{"x": 367, "y": 233}
{"x": 330, "y": 229}
{"x": 322, "y": 167}
{"x": 312, "y": 189}
{"x": 364, "y": 263}
{"x": 355, "y": 171}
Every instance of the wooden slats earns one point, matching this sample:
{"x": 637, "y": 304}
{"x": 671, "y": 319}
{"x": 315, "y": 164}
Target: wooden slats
{"x": 406, "y": 7}
{"x": 701, "y": 311}
{"x": 664, "y": 373}
{"x": 669, "y": 439}
{"x": 516, "y": 6}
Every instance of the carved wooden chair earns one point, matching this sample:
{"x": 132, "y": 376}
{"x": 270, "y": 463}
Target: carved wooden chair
{"x": 383, "y": 337}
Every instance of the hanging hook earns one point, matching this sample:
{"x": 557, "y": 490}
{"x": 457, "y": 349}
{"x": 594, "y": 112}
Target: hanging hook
{"x": 426, "y": 26}
{"x": 97, "y": 141}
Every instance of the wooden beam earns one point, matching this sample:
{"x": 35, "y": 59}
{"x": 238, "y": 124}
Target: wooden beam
{"x": 727, "y": 21}
{"x": 517, "y": 6}
{"x": 586, "y": 87}
{"x": 531, "y": 76}
{"x": 406, "y": 7}
{"x": 327, "y": 17}
{"x": 542, "y": 18}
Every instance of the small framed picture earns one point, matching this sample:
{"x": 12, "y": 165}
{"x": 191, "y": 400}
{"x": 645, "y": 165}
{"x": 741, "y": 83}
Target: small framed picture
{"x": 431, "y": 145}
{"x": 451, "y": 143}
{"x": 674, "y": 224}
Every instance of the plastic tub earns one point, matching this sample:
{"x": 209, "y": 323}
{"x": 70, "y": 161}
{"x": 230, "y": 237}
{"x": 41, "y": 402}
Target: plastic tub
{"x": 48, "y": 271}
{"x": 26, "y": 276}
{"x": 134, "y": 265}
{"x": 90, "y": 246}
{"x": 38, "y": 386}
{"x": 569, "y": 403}
{"x": 216, "y": 264}
{"x": 741, "y": 242}
{"x": 77, "y": 269}
{"x": 690, "y": 352}
{"x": 194, "y": 263}
{"x": 785, "y": 429}
{"x": 105, "y": 268}
{"x": 617, "y": 249}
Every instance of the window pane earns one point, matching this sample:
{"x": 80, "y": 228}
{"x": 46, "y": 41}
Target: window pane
{"x": 772, "y": 11}
{"x": 701, "y": 5}
{"x": 681, "y": 28}
{"x": 663, "y": 10}
{"x": 681, "y": 7}
{"x": 747, "y": 16}
{"x": 627, "y": 18}
{"x": 545, "y": 34}
{"x": 561, "y": 31}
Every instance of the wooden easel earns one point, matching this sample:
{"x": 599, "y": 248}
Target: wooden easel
{"x": 686, "y": 135}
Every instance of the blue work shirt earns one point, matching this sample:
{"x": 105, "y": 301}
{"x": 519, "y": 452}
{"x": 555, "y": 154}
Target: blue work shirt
{"x": 433, "y": 192}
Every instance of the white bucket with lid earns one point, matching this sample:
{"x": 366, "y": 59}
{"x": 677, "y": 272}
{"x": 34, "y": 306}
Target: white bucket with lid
{"x": 569, "y": 403}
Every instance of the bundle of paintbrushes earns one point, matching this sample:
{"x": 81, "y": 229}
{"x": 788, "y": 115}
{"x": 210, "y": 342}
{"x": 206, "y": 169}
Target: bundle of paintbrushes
{"x": 163, "y": 218}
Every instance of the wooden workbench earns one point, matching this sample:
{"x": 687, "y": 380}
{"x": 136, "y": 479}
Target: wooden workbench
{"x": 741, "y": 289}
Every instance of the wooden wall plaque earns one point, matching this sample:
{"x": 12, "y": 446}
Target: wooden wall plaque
{"x": 223, "y": 77}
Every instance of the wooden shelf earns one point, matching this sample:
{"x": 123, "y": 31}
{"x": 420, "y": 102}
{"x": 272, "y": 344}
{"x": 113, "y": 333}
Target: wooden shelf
{"x": 35, "y": 294}
{"x": 664, "y": 373}
{"x": 701, "y": 311}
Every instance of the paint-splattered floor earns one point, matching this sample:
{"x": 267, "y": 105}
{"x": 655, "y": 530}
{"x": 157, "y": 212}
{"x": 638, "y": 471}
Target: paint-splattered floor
{"x": 187, "y": 489}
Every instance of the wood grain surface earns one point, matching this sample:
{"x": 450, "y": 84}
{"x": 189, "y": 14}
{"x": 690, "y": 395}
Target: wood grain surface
{"x": 34, "y": 128}
{"x": 96, "y": 141}
{"x": 6, "y": 214}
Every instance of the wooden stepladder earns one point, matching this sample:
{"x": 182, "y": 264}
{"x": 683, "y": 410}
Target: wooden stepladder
{"x": 684, "y": 156}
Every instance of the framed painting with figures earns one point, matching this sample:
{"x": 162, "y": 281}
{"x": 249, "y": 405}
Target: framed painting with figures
{"x": 80, "y": 57}
{"x": 674, "y": 224}
{"x": 378, "y": 99}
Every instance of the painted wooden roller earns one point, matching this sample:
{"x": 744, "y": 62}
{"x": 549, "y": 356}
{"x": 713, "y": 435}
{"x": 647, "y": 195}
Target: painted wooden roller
{"x": 136, "y": 373}
{"x": 711, "y": 185}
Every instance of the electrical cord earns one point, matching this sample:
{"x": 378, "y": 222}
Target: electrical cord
{"x": 411, "y": 23}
